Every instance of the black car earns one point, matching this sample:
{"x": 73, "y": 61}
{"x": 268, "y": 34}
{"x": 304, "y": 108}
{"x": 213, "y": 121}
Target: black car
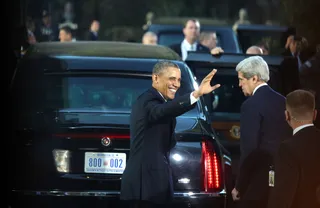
{"x": 224, "y": 103}
{"x": 169, "y": 34}
{"x": 70, "y": 141}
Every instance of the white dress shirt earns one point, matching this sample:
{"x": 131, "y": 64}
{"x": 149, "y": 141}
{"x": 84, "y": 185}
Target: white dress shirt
{"x": 301, "y": 127}
{"x": 185, "y": 47}
{"x": 192, "y": 98}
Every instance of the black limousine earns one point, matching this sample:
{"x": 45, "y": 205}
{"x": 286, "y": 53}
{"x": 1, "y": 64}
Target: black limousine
{"x": 70, "y": 128}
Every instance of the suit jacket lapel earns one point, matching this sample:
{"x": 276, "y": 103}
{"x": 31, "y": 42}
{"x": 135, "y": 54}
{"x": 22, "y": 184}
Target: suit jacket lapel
{"x": 156, "y": 94}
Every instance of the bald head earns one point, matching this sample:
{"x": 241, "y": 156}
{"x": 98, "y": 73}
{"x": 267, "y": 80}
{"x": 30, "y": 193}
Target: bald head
{"x": 255, "y": 50}
{"x": 149, "y": 38}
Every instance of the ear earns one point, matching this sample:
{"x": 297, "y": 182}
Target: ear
{"x": 155, "y": 78}
{"x": 255, "y": 78}
{"x": 315, "y": 115}
{"x": 287, "y": 115}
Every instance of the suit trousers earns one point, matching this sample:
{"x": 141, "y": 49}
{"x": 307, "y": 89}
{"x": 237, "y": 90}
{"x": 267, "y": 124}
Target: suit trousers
{"x": 253, "y": 204}
{"x": 147, "y": 204}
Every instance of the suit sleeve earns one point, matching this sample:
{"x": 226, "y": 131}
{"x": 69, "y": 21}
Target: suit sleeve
{"x": 250, "y": 129}
{"x": 157, "y": 111}
{"x": 286, "y": 179}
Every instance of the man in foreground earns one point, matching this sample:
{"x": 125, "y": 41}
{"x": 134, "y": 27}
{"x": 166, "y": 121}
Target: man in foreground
{"x": 147, "y": 179}
{"x": 297, "y": 169}
{"x": 263, "y": 127}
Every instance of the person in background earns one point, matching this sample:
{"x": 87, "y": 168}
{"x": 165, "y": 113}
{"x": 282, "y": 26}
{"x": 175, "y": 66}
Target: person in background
{"x": 310, "y": 79}
{"x": 93, "y": 33}
{"x": 65, "y": 34}
{"x": 254, "y": 50}
{"x": 149, "y": 38}
{"x": 209, "y": 40}
{"x": 46, "y": 30}
{"x": 30, "y": 30}
{"x": 191, "y": 31}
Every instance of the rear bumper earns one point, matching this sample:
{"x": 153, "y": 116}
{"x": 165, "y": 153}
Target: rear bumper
{"x": 74, "y": 198}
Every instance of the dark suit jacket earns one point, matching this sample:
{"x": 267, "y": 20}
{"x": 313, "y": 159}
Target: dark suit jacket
{"x": 177, "y": 48}
{"x": 91, "y": 36}
{"x": 148, "y": 174}
{"x": 263, "y": 128}
{"x": 309, "y": 79}
{"x": 297, "y": 171}
{"x": 289, "y": 75}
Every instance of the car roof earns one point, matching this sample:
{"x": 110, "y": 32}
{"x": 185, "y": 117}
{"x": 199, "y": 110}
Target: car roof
{"x": 226, "y": 59}
{"x": 260, "y": 27}
{"x": 167, "y": 20}
{"x": 102, "y": 49}
{"x": 98, "y": 64}
{"x": 98, "y": 56}
{"x": 178, "y": 27}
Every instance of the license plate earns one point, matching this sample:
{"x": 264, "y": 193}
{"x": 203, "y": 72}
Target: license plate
{"x": 105, "y": 162}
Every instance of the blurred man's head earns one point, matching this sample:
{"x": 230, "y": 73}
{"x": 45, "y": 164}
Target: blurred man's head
{"x": 254, "y": 50}
{"x": 65, "y": 34}
{"x": 46, "y": 17}
{"x": 166, "y": 78}
{"x": 208, "y": 39}
{"x": 300, "y": 108}
{"x": 95, "y": 26}
{"x": 150, "y": 38}
{"x": 191, "y": 30}
{"x": 296, "y": 43}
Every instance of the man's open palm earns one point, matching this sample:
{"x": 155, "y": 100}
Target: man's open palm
{"x": 205, "y": 86}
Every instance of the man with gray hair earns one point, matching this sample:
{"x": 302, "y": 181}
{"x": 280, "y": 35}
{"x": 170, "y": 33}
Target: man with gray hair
{"x": 149, "y": 38}
{"x": 263, "y": 126}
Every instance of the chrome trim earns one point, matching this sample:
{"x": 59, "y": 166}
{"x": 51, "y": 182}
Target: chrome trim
{"x": 121, "y": 149}
{"x": 107, "y": 194}
{"x": 227, "y": 163}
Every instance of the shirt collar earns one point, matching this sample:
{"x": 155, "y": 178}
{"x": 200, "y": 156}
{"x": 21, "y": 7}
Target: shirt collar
{"x": 257, "y": 87}
{"x": 162, "y": 96}
{"x": 301, "y": 127}
{"x": 189, "y": 46}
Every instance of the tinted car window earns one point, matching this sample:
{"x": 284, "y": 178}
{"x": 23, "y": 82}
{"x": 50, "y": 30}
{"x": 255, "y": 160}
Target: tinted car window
{"x": 273, "y": 39}
{"x": 168, "y": 39}
{"x": 84, "y": 99}
{"x": 227, "y": 98}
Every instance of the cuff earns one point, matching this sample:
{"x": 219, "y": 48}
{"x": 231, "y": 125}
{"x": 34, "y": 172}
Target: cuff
{"x": 193, "y": 99}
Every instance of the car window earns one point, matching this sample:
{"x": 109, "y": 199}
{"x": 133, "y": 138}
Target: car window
{"x": 228, "y": 97}
{"x": 272, "y": 39}
{"x": 88, "y": 96}
{"x": 170, "y": 38}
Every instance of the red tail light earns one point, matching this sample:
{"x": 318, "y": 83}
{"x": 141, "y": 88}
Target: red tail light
{"x": 211, "y": 167}
{"x": 92, "y": 135}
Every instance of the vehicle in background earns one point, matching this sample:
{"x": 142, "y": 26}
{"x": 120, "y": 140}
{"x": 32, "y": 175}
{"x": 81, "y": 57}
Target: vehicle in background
{"x": 70, "y": 140}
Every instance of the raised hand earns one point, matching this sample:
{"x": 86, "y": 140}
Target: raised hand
{"x": 205, "y": 86}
